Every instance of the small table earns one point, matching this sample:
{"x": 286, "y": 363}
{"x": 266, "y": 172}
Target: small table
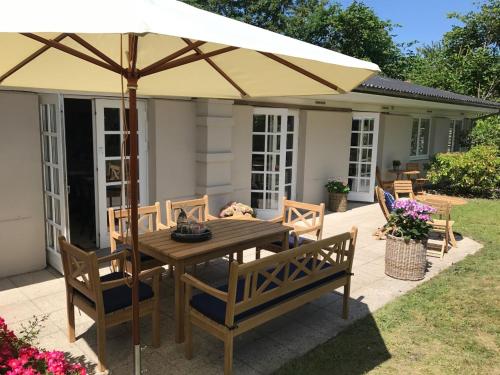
{"x": 453, "y": 201}
{"x": 228, "y": 237}
{"x": 410, "y": 174}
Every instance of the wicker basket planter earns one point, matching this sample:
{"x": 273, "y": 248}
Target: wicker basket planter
{"x": 337, "y": 202}
{"x": 405, "y": 261}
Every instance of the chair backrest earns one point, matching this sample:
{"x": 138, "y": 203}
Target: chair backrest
{"x": 412, "y": 166}
{"x": 403, "y": 187}
{"x": 291, "y": 270}
{"x": 303, "y": 216}
{"x": 442, "y": 208}
{"x": 81, "y": 271}
{"x": 378, "y": 177}
{"x": 196, "y": 210}
{"x": 149, "y": 220}
{"x": 381, "y": 201}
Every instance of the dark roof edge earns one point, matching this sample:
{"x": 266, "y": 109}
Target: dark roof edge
{"x": 398, "y": 94}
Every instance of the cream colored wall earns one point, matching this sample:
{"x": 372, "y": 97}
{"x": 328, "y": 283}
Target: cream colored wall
{"x": 326, "y": 150}
{"x": 22, "y": 245}
{"x": 394, "y": 142}
{"x": 242, "y": 153}
{"x": 173, "y": 148}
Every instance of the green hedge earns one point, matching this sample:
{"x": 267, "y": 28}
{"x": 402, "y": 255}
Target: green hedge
{"x": 472, "y": 173}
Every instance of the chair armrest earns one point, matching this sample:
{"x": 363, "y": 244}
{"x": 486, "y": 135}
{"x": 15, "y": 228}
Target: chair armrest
{"x": 161, "y": 226}
{"x": 298, "y": 231}
{"x": 195, "y": 283}
{"x": 277, "y": 219}
{"x": 105, "y": 285}
{"x": 150, "y": 273}
{"x": 211, "y": 217}
{"x": 116, "y": 255}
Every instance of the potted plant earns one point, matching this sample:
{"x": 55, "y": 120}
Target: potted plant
{"x": 337, "y": 195}
{"x": 406, "y": 246}
{"x": 396, "y": 164}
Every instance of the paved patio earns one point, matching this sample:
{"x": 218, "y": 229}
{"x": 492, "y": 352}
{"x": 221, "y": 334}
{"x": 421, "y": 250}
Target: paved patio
{"x": 258, "y": 352}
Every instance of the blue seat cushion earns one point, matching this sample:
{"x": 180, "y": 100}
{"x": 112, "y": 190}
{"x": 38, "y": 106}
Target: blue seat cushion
{"x": 215, "y": 309}
{"x": 120, "y": 297}
{"x": 291, "y": 242}
{"x": 389, "y": 201}
{"x": 144, "y": 257}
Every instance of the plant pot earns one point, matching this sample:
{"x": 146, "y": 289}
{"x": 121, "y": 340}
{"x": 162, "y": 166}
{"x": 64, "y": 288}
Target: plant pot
{"x": 405, "y": 260}
{"x": 337, "y": 202}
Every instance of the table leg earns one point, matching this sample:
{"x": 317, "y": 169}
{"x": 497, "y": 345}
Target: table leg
{"x": 179, "y": 303}
{"x": 284, "y": 241}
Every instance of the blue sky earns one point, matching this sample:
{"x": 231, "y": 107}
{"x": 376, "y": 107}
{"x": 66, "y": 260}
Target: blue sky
{"x": 422, "y": 20}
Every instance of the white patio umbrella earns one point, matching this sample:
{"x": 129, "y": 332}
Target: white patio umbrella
{"x": 170, "y": 49}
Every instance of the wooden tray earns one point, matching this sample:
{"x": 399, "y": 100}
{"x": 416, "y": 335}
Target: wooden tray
{"x": 191, "y": 237}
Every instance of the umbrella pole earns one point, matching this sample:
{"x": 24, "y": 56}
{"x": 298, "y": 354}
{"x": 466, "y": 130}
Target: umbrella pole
{"x": 132, "y": 89}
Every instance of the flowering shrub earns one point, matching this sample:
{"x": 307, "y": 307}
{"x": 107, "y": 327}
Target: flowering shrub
{"x": 19, "y": 357}
{"x": 337, "y": 186}
{"x": 236, "y": 209}
{"x": 410, "y": 220}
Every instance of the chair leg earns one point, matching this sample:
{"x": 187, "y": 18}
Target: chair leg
{"x": 101, "y": 345}
{"x": 345, "y": 302}
{"x": 71, "y": 317}
{"x": 257, "y": 253}
{"x": 155, "y": 316}
{"x": 188, "y": 337}
{"x": 228, "y": 354}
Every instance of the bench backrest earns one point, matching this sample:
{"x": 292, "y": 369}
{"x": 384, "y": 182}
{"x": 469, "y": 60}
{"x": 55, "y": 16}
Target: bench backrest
{"x": 291, "y": 270}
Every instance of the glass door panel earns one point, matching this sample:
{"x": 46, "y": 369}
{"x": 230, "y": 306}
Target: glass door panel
{"x": 362, "y": 156}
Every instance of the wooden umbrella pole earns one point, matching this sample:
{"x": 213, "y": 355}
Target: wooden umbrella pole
{"x": 132, "y": 79}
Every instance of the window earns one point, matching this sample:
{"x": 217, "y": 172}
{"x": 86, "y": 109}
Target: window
{"x": 420, "y": 132}
{"x": 274, "y": 141}
{"x": 454, "y": 135}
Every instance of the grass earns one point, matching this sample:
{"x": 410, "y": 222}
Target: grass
{"x": 448, "y": 325}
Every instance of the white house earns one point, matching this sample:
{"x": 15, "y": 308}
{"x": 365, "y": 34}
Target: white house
{"x": 60, "y": 154}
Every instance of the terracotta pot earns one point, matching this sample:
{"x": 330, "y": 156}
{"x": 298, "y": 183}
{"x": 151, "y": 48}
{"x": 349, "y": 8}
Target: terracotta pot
{"x": 337, "y": 202}
{"x": 405, "y": 260}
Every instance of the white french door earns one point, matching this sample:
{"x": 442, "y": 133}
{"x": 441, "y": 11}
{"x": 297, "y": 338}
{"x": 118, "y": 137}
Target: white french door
{"x": 274, "y": 159}
{"x": 363, "y": 156}
{"x": 110, "y": 165}
{"x": 54, "y": 175}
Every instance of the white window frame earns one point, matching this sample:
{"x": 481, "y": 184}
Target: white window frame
{"x": 452, "y": 130}
{"x": 426, "y": 155}
{"x": 284, "y": 112}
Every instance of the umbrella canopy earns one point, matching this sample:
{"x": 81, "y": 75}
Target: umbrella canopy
{"x": 253, "y": 61}
{"x": 161, "y": 48}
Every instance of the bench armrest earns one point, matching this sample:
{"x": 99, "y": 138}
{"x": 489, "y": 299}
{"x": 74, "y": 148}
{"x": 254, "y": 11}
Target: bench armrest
{"x": 195, "y": 283}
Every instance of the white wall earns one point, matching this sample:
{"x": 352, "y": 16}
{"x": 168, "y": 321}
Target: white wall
{"x": 326, "y": 150}
{"x": 394, "y": 142}
{"x": 22, "y": 245}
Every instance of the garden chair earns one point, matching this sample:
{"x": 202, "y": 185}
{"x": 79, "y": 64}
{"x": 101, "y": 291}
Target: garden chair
{"x": 418, "y": 180}
{"x": 405, "y": 188}
{"x": 441, "y": 226}
{"x": 196, "y": 210}
{"x": 106, "y": 299}
{"x": 149, "y": 221}
{"x": 382, "y": 201}
{"x": 302, "y": 218}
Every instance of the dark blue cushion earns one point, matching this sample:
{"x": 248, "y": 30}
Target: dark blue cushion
{"x": 389, "y": 201}
{"x": 291, "y": 242}
{"x": 215, "y": 309}
{"x": 144, "y": 257}
{"x": 120, "y": 297}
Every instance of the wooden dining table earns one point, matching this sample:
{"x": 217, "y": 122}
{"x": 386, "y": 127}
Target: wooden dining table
{"x": 228, "y": 237}
{"x": 452, "y": 201}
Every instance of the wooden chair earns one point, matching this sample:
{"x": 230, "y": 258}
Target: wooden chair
{"x": 106, "y": 299}
{"x": 264, "y": 289}
{"x": 403, "y": 187}
{"x": 302, "y": 218}
{"x": 380, "y": 233}
{"x": 149, "y": 221}
{"x": 442, "y": 226}
{"x": 196, "y": 210}
{"x": 387, "y": 185}
{"x": 418, "y": 180}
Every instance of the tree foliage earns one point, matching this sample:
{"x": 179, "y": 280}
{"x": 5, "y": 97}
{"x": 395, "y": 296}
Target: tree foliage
{"x": 486, "y": 132}
{"x": 355, "y": 30}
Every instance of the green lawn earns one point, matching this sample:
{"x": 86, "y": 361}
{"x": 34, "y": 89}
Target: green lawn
{"x": 448, "y": 325}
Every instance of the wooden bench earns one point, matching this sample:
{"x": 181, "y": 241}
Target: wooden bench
{"x": 266, "y": 288}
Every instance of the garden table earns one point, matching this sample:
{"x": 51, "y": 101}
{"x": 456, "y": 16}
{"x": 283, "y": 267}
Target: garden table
{"x": 453, "y": 201}
{"x": 228, "y": 237}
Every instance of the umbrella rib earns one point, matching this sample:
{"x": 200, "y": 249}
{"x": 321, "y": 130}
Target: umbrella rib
{"x": 303, "y": 71}
{"x": 72, "y": 52}
{"x": 94, "y": 50}
{"x": 217, "y": 68}
{"x": 187, "y": 60}
{"x": 31, "y": 57}
{"x": 172, "y": 56}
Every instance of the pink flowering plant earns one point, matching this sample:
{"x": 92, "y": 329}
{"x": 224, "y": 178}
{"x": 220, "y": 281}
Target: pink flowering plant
{"x": 410, "y": 220}
{"x": 18, "y": 355}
